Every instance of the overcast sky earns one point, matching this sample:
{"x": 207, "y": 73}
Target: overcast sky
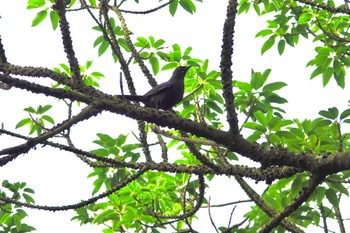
{"x": 60, "y": 178}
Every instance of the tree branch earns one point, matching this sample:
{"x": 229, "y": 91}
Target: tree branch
{"x": 267, "y": 209}
{"x": 81, "y": 204}
{"x": 226, "y": 63}
{"x": 60, "y": 7}
{"x": 304, "y": 194}
{"x": 86, "y": 113}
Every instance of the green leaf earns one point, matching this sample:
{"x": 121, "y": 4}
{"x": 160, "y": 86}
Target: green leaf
{"x": 326, "y": 76}
{"x": 257, "y": 79}
{"x": 97, "y": 74}
{"x": 257, "y": 9}
{"x": 332, "y": 197}
{"x": 274, "y": 139}
{"x": 188, "y": 6}
{"x": 274, "y": 86}
{"x": 337, "y": 66}
{"x": 264, "y": 32}
{"x": 35, "y": 4}
{"x": 325, "y": 114}
{"x": 4, "y": 217}
{"x": 173, "y": 7}
{"x": 345, "y": 114}
{"x": 243, "y": 7}
{"x": 54, "y": 19}
{"x": 316, "y": 72}
{"x": 43, "y": 109}
{"x": 260, "y": 117}
{"x": 323, "y": 123}
{"x": 305, "y": 18}
{"x": 266, "y": 74}
{"x": 254, "y": 137}
{"x": 23, "y": 122}
{"x": 105, "y": 215}
{"x": 151, "y": 39}
{"x": 142, "y": 42}
{"x": 30, "y": 109}
{"x": 123, "y": 44}
{"x": 339, "y": 187}
{"x": 40, "y": 16}
{"x": 187, "y": 52}
{"x": 92, "y": 2}
{"x": 98, "y": 41}
{"x": 332, "y": 113}
{"x": 159, "y": 43}
{"x": 170, "y": 66}
{"x": 340, "y": 79}
{"x": 88, "y": 64}
{"x": 155, "y": 65}
{"x": 268, "y": 44}
{"x": 296, "y": 186}
{"x": 244, "y": 86}
{"x": 29, "y": 190}
{"x": 273, "y": 98}
{"x": 177, "y": 52}
{"x": 49, "y": 119}
{"x": 280, "y": 46}
{"x": 18, "y": 223}
{"x": 103, "y": 47}
{"x": 66, "y": 68}
{"x": 212, "y": 105}
{"x": 28, "y": 198}
{"x": 108, "y": 140}
{"x": 254, "y": 126}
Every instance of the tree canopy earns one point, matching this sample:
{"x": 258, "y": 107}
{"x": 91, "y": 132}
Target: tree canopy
{"x": 154, "y": 178}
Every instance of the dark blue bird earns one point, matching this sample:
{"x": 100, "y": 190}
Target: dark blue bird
{"x": 165, "y": 95}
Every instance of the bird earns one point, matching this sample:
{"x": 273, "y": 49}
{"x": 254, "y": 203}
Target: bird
{"x": 165, "y": 95}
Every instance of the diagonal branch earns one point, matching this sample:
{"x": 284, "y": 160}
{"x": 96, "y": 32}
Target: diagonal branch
{"x": 133, "y": 50}
{"x": 3, "y": 58}
{"x": 86, "y": 113}
{"x": 60, "y": 7}
{"x": 263, "y": 205}
{"x": 304, "y": 194}
{"x": 226, "y": 63}
{"x": 124, "y": 65}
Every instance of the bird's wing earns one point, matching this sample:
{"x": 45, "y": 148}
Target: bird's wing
{"x": 159, "y": 88}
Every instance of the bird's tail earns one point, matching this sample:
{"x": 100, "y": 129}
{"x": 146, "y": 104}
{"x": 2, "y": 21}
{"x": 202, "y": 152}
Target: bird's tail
{"x": 138, "y": 98}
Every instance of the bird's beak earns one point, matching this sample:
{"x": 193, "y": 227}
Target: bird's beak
{"x": 188, "y": 67}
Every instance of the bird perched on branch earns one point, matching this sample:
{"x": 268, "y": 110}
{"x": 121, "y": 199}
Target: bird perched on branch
{"x": 165, "y": 95}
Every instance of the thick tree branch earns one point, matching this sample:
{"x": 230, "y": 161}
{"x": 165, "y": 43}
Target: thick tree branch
{"x": 267, "y": 157}
{"x": 226, "y": 63}
{"x": 60, "y": 7}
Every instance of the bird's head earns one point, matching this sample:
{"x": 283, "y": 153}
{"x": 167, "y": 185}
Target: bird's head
{"x": 180, "y": 72}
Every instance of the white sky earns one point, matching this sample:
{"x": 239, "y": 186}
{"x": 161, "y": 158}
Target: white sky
{"x": 60, "y": 178}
